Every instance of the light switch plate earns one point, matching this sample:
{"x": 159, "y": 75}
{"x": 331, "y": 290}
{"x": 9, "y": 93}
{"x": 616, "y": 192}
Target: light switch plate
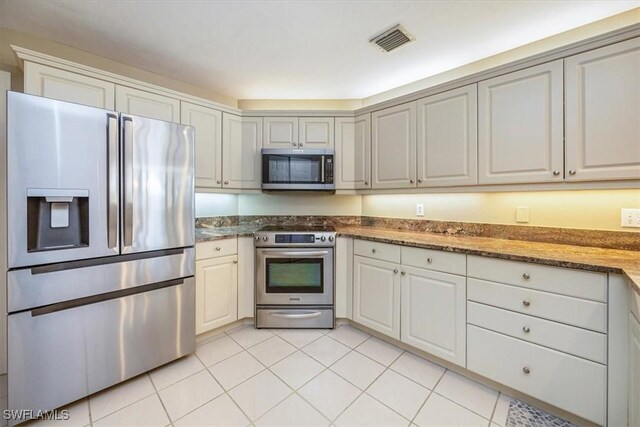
{"x": 419, "y": 209}
{"x": 630, "y": 218}
{"x": 522, "y": 214}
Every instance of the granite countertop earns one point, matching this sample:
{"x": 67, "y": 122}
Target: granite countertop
{"x": 623, "y": 262}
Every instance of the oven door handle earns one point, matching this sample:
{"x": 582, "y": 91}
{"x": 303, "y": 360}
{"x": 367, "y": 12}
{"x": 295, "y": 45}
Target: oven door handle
{"x": 298, "y": 253}
{"x": 296, "y": 315}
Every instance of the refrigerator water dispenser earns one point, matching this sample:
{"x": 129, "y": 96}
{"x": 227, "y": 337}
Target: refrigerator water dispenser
{"x": 57, "y": 219}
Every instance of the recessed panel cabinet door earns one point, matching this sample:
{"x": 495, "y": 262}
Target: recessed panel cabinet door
{"x": 634, "y": 371}
{"x": 241, "y": 142}
{"x": 603, "y": 113}
{"x": 147, "y": 104}
{"x": 63, "y": 85}
{"x": 434, "y": 313}
{"x": 353, "y": 153}
{"x": 393, "y": 132}
{"x": 448, "y": 138}
{"x": 280, "y": 132}
{"x": 216, "y": 292}
{"x": 208, "y": 138}
{"x": 376, "y": 295}
{"x": 520, "y": 126}
{"x": 316, "y": 132}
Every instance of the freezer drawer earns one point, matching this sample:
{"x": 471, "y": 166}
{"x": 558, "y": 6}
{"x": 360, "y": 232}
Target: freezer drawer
{"x": 61, "y": 353}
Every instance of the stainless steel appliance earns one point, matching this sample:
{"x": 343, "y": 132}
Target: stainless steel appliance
{"x": 100, "y": 285}
{"x": 297, "y": 169}
{"x": 295, "y": 277}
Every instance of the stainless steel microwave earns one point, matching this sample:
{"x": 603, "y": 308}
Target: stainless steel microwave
{"x": 297, "y": 169}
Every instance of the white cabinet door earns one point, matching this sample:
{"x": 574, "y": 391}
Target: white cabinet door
{"x": 146, "y": 104}
{"x": 352, "y": 164}
{"x": 393, "y": 135}
{"x": 53, "y": 83}
{"x": 434, "y": 313}
{"x": 246, "y": 277}
{"x": 241, "y": 141}
{"x": 216, "y": 292}
{"x": 280, "y": 132}
{"x": 316, "y": 132}
{"x": 208, "y": 135}
{"x": 603, "y": 113}
{"x": 634, "y": 371}
{"x": 376, "y": 295}
{"x": 448, "y": 138}
{"x": 344, "y": 277}
{"x": 520, "y": 126}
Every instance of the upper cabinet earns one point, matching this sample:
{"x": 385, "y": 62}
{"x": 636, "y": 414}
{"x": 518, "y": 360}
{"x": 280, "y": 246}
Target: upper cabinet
{"x": 50, "y": 82}
{"x": 280, "y": 132}
{"x": 353, "y": 153}
{"x": 447, "y": 138}
{"x": 298, "y": 132}
{"x": 393, "y": 136}
{"x": 241, "y": 142}
{"x": 208, "y": 141}
{"x": 603, "y": 113}
{"x": 520, "y": 122}
{"x": 147, "y": 104}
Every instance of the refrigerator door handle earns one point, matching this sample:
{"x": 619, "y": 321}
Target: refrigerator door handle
{"x": 112, "y": 180}
{"x": 127, "y": 144}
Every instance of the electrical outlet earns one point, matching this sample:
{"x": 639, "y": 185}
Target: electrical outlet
{"x": 630, "y": 218}
{"x": 522, "y": 214}
{"x": 419, "y": 209}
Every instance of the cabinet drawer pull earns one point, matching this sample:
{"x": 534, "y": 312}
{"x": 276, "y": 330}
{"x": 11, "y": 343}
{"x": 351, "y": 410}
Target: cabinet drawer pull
{"x": 218, "y": 248}
{"x": 235, "y": 261}
{"x": 526, "y": 303}
{"x": 526, "y": 276}
{"x": 403, "y": 272}
{"x": 429, "y": 260}
{"x": 373, "y": 251}
{"x": 526, "y": 329}
{"x": 526, "y": 370}
{"x": 395, "y": 271}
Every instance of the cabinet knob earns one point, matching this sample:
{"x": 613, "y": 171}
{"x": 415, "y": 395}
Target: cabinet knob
{"x": 294, "y": 144}
{"x": 526, "y": 329}
{"x": 403, "y": 272}
{"x": 429, "y": 260}
{"x": 526, "y": 370}
{"x": 572, "y": 172}
{"x": 218, "y": 182}
{"x": 419, "y": 180}
{"x": 526, "y": 276}
{"x": 226, "y": 182}
{"x": 366, "y": 183}
{"x": 411, "y": 181}
{"x": 556, "y": 173}
{"x": 300, "y": 144}
{"x": 218, "y": 248}
{"x": 373, "y": 251}
{"x": 235, "y": 261}
{"x": 395, "y": 271}
{"x": 526, "y": 303}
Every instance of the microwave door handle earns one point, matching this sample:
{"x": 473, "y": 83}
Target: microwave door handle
{"x": 298, "y": 253}
{"x": 112, "y": 180}
{"x": 127, "y": 145}
{"x": 324, "y": 164}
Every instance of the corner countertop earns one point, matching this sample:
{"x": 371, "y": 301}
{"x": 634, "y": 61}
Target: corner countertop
{"x": 616, "y": 261}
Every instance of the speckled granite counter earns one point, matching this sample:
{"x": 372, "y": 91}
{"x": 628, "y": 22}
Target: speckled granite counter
{"x": 626, "y": 262}
{"x": 581, "y": 257}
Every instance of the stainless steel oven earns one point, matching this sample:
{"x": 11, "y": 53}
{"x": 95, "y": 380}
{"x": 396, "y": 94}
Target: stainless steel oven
{"x": 297, "y": 169}
{"x": 294, "y": 278}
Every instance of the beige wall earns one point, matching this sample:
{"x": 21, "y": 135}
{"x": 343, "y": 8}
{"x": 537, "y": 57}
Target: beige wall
{"x": 9, "y": 62}
{"x": 590, "y": 209}
{"x": 298, "y": 204}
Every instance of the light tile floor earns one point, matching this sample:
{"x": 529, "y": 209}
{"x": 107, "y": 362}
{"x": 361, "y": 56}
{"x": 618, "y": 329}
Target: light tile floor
{"x": 255, "y": 377}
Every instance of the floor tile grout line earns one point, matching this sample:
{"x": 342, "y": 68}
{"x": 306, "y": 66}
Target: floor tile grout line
{"x": 433, "y": 390}
{"x": 495, "y": 406}
{"x": 160, "y": 397}
{"x": 461, "y": 405}
{"x": 129, "y": 404}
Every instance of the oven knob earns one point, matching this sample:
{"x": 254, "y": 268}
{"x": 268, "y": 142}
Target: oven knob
{"x": 257, "y": 238}
{"x": 322, "y": 238}
{"x": 265, "y": 238}
{"x": 331, "y": 238}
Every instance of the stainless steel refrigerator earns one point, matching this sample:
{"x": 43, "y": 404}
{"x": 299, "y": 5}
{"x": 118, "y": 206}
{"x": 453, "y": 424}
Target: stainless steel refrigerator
{"x": 100, "y": 286}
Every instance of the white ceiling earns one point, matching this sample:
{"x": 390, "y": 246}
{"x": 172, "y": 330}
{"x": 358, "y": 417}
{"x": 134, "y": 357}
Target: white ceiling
{"x": 297, "y": 49}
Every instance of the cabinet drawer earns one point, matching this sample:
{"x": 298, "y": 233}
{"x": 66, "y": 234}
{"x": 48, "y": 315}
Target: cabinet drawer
{"x": 570, "y": 383}
{"x": 217, "y": 248}
{"x": 569, "y": 339}
{"x": 446, "y": 262}
{"x": 575, "y": 283}
{"x": 381, "y": 251}
{"x": 572, "y": 311}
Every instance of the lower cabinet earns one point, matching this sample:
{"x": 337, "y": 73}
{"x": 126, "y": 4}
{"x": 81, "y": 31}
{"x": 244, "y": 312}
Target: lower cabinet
{"x": 634, "y": 371}
{"x": 376, "y": 295}
{"x": 216, "y": 284}
{"x": 434, "y": 314}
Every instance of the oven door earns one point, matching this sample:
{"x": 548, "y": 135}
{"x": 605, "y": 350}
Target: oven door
{"x": 299, "y": 276}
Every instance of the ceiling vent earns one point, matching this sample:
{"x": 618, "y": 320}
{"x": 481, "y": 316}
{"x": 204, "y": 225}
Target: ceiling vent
{"x": 392, "y": 39}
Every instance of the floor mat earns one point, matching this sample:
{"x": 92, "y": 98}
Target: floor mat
{"x": 524, "y": 415}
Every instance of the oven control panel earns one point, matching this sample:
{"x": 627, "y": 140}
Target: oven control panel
{"x": 306, "y": 239}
